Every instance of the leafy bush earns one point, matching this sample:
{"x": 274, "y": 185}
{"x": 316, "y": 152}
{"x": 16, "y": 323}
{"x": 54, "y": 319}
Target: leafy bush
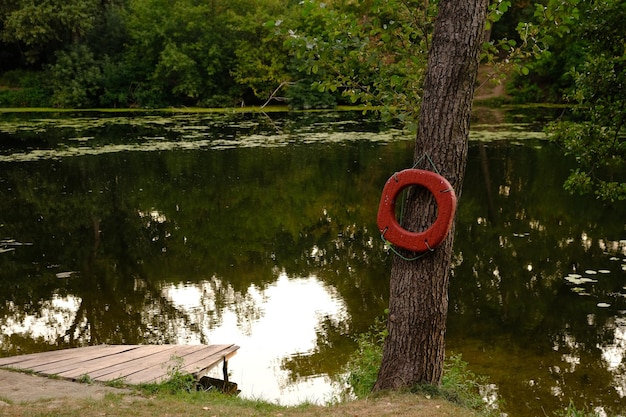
{"x": 115, "y": 85}
{"x": 370, "y": 53}
{"x": 362, "y": 368}
{"x": 21, "y": 88}
{"x": 76, "y": 78}
{"x": 459, "y": 384}
{"x": 590, "y": 37}
{"x": 302, "y": 95}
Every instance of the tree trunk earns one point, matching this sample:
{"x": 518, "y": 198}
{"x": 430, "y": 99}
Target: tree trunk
{"x": 418, "y": 304}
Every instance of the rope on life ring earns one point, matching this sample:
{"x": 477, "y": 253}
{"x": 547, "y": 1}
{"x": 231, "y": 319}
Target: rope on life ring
{"x": 445, "y": 198}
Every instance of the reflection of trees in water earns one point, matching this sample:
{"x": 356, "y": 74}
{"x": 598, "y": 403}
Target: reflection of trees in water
{"x": 329, "y": 355}
{"x": 132, "y": 223}
{"x": 200, "y": 307}
{"x": 510, "y": 302}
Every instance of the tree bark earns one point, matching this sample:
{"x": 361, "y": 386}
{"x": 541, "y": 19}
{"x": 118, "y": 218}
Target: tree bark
{"x": 414, "y": 350}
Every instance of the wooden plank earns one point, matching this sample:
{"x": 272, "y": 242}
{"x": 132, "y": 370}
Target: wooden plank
{"x": 34, "y": 359}
{"x": 73, "y": 355}
{"x": 207, "y": 351}
{"x": 133, "y": 363}
{"x": 158, "y": 371}
{"x": 205, "y": 359}
{"x": 204, "y": 364}
{"x": 159, "y": 358}
{"x": 153, "y": 374}
{"x": 80, "y": 358}
{"x": 105, "y": 364}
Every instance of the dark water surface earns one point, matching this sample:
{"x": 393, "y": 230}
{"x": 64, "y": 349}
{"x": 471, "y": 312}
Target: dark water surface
{"x": 260, "y": 230}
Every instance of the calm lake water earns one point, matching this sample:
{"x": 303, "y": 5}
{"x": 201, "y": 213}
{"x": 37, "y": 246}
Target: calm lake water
{"x": 260, "y": 230}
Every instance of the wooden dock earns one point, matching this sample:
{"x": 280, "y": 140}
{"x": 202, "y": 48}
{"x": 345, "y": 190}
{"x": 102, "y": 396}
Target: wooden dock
{"x": 131, "y": 364}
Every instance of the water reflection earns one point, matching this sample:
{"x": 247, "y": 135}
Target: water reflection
{"x": 54, "y": 317}
{"x": 284, "y": 323}
{"x": 234, "y": 234}
{"x": 518, "y": 315}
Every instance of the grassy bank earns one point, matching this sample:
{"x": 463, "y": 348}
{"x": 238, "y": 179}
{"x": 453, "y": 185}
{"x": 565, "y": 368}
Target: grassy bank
{"x": 142, "y": 402}
{"x": 214, "y": 404}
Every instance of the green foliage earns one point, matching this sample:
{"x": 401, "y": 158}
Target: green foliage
{"x": 75, "y": 78}
{"x": 372, "y": 53}
{"x": 312, "y": 54}
{"x": 168, "y": 49}
{"x": 116, "y": 91}
{"x": 24, "y": 89}
{"x": 591, "y": 38}
{"x": 152, "y": 53}
{"x": 505, "y": 27}
{"x": 85, "y": 379}
{"x": 116, "y": 383}
{"x": 601, "y": 155}
{"x": 177, "y": 382}
{"x": 147, "y": 52}
{"x": 261, "y": 65}
{"x": 459, "y": 384}
{"x": 204, "y": 52}
{"x": 45, "y": 26}
{"x": 362, "y": 368}
{"x": 303, "y": 94}
{"x": 545, "y": 57}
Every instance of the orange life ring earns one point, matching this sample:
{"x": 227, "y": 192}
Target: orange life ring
{"x": 445, "y": 198}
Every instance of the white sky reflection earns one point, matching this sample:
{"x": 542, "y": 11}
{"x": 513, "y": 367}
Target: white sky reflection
{"x": 613, "y": 354}
{"x": 54, "y": 319}
{"x": 290, "y": 313}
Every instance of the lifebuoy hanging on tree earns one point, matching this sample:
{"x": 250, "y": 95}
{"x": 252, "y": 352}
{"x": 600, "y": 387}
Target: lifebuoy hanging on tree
{"x": 445, "y": 198}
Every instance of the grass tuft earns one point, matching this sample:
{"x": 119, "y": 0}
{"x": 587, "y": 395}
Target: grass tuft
{"x": 177, "y": 382}
{"x": 572, "y": 411}
{"x": 85, "y": 379}
{"x": 117, "y": 383}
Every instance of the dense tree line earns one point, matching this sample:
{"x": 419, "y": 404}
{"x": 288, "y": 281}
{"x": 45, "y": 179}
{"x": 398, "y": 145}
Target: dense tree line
{"x": 147, "y": 53}
{"x": 151, "y": 53}
{"x": 118, "y": 53}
